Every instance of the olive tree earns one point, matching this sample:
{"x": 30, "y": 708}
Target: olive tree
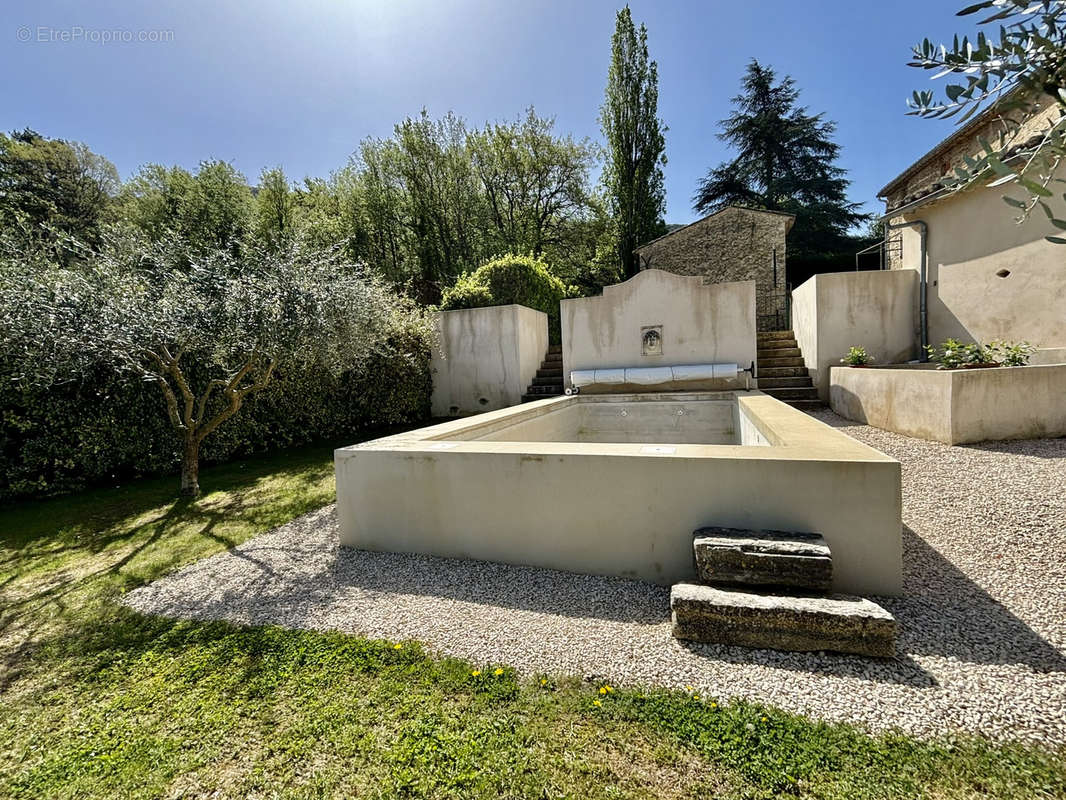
{"x": 1020, "y": 67}
{"x": 209, "y": 329}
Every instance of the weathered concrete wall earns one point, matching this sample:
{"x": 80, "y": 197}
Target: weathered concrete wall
{"x": 624, "y": 509}
{"x": 485, "y": 358}
{"x": 955, "y": 406}
{"x": 835, "y": 311}
{"x": 701, "y": 323}
{"x": 734, "y": 244}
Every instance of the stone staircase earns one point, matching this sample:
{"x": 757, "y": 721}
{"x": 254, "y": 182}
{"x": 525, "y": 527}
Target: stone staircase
{"x": 548, "y": 381}
{"x": 781, "y": 371}
{"x": 770, "y": 589}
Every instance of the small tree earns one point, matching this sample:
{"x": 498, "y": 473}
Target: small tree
{"x": 209, "y": 329}
{"x": 1019, "y": 69}
{"x": 636, "y": 147}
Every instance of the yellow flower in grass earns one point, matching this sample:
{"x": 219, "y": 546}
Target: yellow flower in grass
{"x": 543, "y": 681}
{"x": 603, "y": 690}
{"x": 695, "y": 697}
{"x": 713, "y": 704}
{"x": 397, "y": 646}
{"x": 764, "y": 719}
{"x": 475, "y": 672}
{"x": 597, "y": 702}
{"x": 498, "y": 671}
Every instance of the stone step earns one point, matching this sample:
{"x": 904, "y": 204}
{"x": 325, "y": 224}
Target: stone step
{"x": 550, "y": 372}
{"x": 553, "y": 358}
{"x": 723, "y": 616}
{"x": 784, "y": 383}
{"x": 765, "y": 344}
{"x": 809, "y": 393}
{"x": 529, "y": 398}
{"x": 780, "y": 362}
{"x": 806, "y": 405}
{"x": 777, "y": 352}
{"x": 776, "y": 335}
{"x": 550, "y": 380}
{"x": 552, "y": 388}
{"x": 781, "y": 372}
{"x": 783, "y": 559}
{"x": 555, "y": 348}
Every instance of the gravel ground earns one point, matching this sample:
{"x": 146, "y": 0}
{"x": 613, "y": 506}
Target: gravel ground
{"x": 983, "y": 644}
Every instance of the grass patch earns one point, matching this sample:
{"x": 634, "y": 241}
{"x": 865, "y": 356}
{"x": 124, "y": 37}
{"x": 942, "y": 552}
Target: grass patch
{"x": 99, "y": 701}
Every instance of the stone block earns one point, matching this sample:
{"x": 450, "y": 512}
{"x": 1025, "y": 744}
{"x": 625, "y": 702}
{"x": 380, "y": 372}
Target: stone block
{"x": 735, "y": 557}
{"x": 839, "y": 623}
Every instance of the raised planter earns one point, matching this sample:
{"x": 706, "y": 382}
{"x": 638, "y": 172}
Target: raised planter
{"x": 955, "y": 406}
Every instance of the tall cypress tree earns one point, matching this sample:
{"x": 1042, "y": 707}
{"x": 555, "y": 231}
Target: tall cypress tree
{"x": 633, "y": 175}
{"x": 785, "y": 162}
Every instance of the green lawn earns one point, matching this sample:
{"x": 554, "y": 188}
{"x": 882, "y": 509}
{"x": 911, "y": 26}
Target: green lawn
{"x": 98, "y": 701}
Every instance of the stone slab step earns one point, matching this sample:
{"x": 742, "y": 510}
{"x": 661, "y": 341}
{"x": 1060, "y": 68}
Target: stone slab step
{"x": 794, "y": 361}
{"x": 555, "y": 348}
{"x": 778, "y": 352}
{"x": 783, "y": 559}
{"x": 776, "y": 335}
{"x": 722, "y": 616}
{"x": 781, "y": 372}
{"x": 529, "y": 398}
{"x": 550, "y": 372}
{"x": 806, "y": 405}
{"x": 552, "y": 388}
{"x": 796, "y": 382}
{"x": 552, "y": 358}
{"x": 550, "y": 380}
{"x": 809, "y": 393}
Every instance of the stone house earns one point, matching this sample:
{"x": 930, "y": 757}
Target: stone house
{"x": 733, "y": 244}
{"x": 987, "y": 277}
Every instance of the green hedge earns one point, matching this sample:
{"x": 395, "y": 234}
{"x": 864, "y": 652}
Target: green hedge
{"x": 101, "y": 430}
{"x": 524, "y": 280}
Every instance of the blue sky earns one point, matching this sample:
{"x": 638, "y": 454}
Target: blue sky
{"x": 299, "y": 84}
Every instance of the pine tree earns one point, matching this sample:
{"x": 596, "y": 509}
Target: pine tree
{"x": 785, "y": 162}
{"x": 633, "y": 175}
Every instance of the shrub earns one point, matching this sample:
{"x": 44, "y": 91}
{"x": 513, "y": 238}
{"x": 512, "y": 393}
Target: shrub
{"x": 510, "y": 279}
{"x": 954, "y": 354}
{"x": 134, "y": 360}
{"x": 857, "y": 357}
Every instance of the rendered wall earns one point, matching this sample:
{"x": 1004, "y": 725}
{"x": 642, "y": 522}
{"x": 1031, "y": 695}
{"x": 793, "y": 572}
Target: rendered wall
{"x": 485, "y": 358}
{"x": 835, "y": 311}
{"x": 955, "y": 406}
{"x": 971, "y": 237}
{"x": 622, "y": 508}
{"x": 701, "y": 324}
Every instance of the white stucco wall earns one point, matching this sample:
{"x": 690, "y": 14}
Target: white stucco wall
{"x": 972, "y": 236}
{"x": 955, "y": 406}
{"x": 701, "y": 323}
{"x": 835, "y": 311}
{"x": 485, "y": 358}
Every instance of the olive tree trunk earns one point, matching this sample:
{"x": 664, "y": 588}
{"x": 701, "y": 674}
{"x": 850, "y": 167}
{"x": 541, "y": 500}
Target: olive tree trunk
{"x": 190, "y": 467}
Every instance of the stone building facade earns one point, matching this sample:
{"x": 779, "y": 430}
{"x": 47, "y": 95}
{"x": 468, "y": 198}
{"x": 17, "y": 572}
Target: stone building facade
{"x": 734, "y": 244}
{"x": 988, "y": 277}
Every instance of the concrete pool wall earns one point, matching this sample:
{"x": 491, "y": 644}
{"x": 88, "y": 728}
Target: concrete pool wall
{"x": 467, "y": 489}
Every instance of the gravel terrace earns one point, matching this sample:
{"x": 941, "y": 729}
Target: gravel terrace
{"x": 983, "y": 644}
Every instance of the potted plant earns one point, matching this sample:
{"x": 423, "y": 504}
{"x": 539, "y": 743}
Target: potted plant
{"x": 857, "y": 357}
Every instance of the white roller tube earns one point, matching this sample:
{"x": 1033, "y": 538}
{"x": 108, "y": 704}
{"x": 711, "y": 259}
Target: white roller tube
{"x": 649, "y": 376}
